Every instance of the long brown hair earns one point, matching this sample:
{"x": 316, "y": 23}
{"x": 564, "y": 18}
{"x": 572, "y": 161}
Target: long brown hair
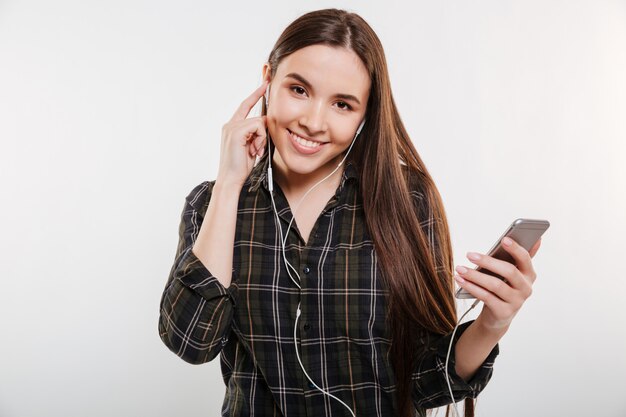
{"x": 421, "y": 302}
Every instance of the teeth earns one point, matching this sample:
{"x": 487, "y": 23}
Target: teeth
{"x": 305, "y": 142}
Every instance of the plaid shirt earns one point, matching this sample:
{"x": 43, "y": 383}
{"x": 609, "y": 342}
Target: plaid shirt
{"x": 341, "y": 337}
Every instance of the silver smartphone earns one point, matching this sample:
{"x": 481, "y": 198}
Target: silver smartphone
{"x": 526, "y": 232}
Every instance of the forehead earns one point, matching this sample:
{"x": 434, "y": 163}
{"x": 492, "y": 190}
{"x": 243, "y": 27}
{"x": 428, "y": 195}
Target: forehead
{"x": 331, "y": 69}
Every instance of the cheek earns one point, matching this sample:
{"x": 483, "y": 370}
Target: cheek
{"x": 343, "y": 134}
{"x": 274, "y": 125}
{"x": 284, "y": 111}
{"x": 272, "y": 120}
{"x": 279, "y": 118}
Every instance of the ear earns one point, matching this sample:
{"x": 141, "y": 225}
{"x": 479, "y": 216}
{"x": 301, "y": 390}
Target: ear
{"x": 265, "y": 72}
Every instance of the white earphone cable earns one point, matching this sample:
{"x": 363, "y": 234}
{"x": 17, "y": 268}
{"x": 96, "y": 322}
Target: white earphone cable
{"x": 302, "y": 366}
{"x": 271, "y": 188}
{"x": 456, "y": 411}
{"x": 288, "y": 264}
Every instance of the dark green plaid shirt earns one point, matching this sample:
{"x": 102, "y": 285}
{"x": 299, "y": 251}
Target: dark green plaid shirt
{"x": 342, "y": 337}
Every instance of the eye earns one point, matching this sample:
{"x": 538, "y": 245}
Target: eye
{"x": 347, "y": 106}
{"x": 297, "y": 89}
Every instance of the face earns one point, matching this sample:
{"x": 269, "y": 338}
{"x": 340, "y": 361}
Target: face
{"x": 317, "y": 100}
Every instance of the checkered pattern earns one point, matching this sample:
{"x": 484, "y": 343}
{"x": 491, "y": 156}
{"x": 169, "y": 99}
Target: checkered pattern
{"x": 341, "y": 336}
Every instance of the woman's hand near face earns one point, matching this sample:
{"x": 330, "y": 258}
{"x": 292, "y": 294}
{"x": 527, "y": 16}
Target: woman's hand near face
{"x": 502, "y": 300}
{"x": 242, "y": 140}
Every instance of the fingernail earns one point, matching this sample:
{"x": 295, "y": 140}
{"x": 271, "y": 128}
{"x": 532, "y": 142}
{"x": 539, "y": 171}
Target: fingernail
{"x": 507, "y": 241}
{"x": 461, "y": 269}
{"x": 458, "y": 278}
{"x": 473, "y": 256}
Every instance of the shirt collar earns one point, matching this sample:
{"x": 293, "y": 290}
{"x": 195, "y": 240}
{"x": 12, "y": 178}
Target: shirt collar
{"x": 258, "y": 175}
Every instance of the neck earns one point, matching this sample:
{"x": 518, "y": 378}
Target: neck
{"x": 296, "y": 184}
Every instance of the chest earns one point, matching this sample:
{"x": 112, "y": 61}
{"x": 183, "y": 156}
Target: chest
{"x": 308, "y": 213}
{"x": 337, "y": 270}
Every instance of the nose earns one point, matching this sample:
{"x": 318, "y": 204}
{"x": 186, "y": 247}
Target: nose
{"x": 314, "y": 119}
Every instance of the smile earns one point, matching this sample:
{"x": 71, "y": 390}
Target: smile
{"x": 303, "y": 145}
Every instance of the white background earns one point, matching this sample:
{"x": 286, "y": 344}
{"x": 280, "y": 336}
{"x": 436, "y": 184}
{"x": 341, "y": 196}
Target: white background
{"x": 111, "y": 112}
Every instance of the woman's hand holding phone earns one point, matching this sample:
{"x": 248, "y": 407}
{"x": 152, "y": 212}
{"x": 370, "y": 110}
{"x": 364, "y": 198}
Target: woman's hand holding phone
{"x": 243, "y": 139}
{"x": 502, "y": 299}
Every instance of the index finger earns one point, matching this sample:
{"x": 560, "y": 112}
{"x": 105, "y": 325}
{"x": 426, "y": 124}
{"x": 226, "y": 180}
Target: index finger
{"x": 247, "y": 105}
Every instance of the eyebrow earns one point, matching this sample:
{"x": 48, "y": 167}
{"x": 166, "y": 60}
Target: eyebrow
{"x": 307, "y": 84}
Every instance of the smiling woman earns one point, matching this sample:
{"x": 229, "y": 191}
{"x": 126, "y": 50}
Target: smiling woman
{"x": 366, "y": 328}
{"x": 317, "y": 103}
{"x": 311, "y": 122}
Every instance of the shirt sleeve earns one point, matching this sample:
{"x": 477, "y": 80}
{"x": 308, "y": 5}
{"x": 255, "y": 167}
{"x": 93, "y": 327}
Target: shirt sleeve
{"x": 431, "y": 388}
{"x": 196, "y": 310}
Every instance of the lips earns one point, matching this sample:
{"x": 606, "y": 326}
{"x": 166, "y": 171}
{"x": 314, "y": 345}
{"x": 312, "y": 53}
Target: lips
{"x": 306, "y": 137}
{"x": 302, "y": 148}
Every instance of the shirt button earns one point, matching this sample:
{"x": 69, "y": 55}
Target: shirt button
{"x": 306, "y": 269}
{"x": 307, "y": 326}
{"x": 311, "y": 385}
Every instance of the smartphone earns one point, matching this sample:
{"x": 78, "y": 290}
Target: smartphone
{"x": 526, "y": 232}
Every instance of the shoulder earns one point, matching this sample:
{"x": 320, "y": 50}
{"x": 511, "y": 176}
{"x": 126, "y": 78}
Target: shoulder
{"x": 198, "y": 198}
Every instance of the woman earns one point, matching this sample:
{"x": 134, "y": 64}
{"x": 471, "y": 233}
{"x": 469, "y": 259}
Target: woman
{"x": 342, "y": 305}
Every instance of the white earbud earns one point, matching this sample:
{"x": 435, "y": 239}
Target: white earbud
{"x": 360, "y": 127}
{"x": 267, "y": 94}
